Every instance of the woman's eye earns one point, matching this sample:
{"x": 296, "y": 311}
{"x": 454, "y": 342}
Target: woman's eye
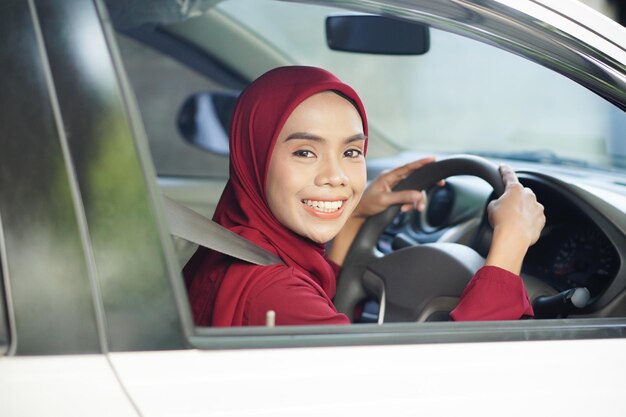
{"x": 303, "y": 153}
{"x": 353, "y": 153}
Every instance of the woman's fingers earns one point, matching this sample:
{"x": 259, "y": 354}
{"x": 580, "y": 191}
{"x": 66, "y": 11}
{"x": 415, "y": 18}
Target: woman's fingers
{"x": 379, "y": 195}
{"x": 517, "y": 210}
{"x": 409, "y": 199}
{"x": 394, "y": 176}
{"x": 508, "y": 175}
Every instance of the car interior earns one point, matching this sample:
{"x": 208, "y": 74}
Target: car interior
{"x": 201, "y": 64}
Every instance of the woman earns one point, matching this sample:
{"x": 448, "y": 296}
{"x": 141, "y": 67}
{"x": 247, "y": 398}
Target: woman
{"x": 297, "y": 175}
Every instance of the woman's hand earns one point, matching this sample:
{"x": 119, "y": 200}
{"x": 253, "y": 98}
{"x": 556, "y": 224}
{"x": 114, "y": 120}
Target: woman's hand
{"x": 378, "y": 196}
{"x": 517, "y": 219}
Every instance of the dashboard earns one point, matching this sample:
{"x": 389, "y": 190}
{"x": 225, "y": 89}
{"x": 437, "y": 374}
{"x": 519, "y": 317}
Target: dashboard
{"x": 573, "y": 255}
{"x": 579, "y": 246}
{"x": 574, "y": 249}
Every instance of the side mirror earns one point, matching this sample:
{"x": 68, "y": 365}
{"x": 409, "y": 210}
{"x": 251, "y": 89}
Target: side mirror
{"x": 204, "y": 120}
{"x": 372, "y": 34}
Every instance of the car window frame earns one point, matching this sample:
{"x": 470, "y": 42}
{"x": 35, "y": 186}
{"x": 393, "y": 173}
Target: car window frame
{"x": 5, "y": 302}
{"x": 206, "y": 338}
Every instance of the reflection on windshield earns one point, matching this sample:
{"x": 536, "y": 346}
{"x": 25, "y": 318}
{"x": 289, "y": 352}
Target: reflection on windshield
{"x": 461, "y": 95}
{"x": 541, "y": 156}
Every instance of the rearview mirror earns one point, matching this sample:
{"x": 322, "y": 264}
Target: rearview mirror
{"x": 372, "y": 34}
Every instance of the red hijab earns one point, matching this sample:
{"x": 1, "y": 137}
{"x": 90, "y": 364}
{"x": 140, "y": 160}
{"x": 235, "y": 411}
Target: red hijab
{"x": 218, "y": 284}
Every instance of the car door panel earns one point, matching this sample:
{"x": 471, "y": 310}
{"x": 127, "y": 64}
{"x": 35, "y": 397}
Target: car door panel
{"x": 504, "y": 378}
{"x": 80, "y": 385}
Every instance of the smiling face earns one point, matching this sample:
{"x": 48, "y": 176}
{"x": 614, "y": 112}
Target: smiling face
{"x": 316, "y": 174}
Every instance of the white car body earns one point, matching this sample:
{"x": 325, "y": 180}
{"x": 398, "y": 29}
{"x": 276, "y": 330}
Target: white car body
{"x": 559, "y": 367}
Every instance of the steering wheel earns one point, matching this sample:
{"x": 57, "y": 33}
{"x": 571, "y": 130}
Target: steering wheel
{"x": 419, "y": 282}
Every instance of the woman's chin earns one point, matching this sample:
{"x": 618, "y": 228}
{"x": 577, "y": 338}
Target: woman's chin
{"x": 318, "y": 230}
{"x": 322, "y": 240}
{"x": 321, "y": 236}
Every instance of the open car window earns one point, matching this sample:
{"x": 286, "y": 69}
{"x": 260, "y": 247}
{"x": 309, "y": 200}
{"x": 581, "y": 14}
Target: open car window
{"x": 461, "y": 96}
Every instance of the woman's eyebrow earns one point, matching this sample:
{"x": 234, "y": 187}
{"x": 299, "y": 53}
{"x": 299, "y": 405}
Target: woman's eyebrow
{"x": 356, "y": 138}
{"x": 316, "y": 138}
{"x": 304, "y": 135}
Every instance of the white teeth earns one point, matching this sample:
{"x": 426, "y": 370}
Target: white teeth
{"x": 324, "y": 206}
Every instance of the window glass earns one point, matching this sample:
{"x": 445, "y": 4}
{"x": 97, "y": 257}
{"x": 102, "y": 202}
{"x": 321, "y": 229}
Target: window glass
{"x": 461, "y": 96}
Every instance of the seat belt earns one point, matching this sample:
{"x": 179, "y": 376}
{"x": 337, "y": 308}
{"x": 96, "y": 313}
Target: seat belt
{"x": 196, "y": 228}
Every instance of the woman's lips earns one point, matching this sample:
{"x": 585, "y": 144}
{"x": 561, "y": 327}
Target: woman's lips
{"x": 324, "y": 209}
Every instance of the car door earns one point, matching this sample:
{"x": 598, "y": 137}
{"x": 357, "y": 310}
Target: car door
{"x": 52, "y": 353}
{"x": 432, "y": 369}
{"x": 97, "y": 321}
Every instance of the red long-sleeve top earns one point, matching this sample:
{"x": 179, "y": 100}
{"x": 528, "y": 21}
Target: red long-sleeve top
{"x": 492, "y": 294}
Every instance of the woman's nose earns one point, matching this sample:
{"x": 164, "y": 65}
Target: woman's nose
{"x": 331, "y": 173}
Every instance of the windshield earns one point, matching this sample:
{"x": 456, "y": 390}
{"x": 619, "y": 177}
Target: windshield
{"x": 461, "y": 96}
